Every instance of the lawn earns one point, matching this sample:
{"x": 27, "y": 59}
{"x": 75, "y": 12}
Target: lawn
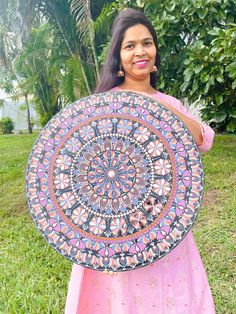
{"x": 34, "y": 277}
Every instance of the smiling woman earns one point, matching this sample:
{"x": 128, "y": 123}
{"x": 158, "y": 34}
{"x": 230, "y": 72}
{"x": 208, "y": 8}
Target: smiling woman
{"x": 126, "y": 41}
{"x": 137, "y": 57}
{"x": 177, "y": 283}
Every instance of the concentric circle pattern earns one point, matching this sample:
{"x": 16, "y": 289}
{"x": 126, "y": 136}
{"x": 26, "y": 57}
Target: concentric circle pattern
{"x": 114, "y": 181}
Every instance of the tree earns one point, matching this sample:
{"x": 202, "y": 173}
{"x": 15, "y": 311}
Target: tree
{"x": 191, "y": 51}
{"x": 197, "y": 61}
{"x": 38, "y": 65}
{"x": 27, "y": 69}
{"x": 11, "y": 37}
{"x": 197, "y": 48}
{"x": 210, "y": 75}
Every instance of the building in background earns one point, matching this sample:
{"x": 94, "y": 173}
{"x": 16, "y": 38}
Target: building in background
{"x": 15, "y": 110}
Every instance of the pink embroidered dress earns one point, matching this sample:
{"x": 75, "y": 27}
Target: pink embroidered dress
{"x": 175, "y": 284}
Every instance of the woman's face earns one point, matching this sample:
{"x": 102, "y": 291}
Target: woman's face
{"x": 138, "y": 52}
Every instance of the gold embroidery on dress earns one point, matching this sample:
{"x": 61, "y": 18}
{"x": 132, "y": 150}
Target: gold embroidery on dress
{"x": 170, "y": 302}
{"x": 153, "y": 282}
{"x": 138, "y": 300}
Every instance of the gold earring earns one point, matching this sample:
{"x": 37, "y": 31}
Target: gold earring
{"x": 120, "y": 73}
{"x": 154, "y": 69}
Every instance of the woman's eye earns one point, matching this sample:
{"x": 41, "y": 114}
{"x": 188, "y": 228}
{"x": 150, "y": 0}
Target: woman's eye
{"x": 148, "y": 43}
{"x": 130, "y": 46}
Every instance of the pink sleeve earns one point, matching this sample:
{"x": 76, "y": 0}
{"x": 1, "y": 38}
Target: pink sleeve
{"x": 207, "y": 132}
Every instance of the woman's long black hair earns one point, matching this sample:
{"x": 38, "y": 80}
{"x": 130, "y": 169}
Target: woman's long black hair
{"x": 124, "y": 20}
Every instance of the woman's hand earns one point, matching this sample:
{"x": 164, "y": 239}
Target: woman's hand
{"x": 193, "y": 125}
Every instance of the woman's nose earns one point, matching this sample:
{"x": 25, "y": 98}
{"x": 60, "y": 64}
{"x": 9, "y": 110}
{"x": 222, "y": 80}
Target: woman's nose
{"x": 139, "y": 51}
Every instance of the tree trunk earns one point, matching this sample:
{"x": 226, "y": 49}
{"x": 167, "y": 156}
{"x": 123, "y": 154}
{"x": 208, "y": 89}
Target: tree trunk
{"x": 28, "y": 115}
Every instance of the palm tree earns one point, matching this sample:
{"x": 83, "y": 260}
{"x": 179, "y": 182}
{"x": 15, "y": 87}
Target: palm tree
{"x": 38, "y": 65}
{"x": 81, "y": 10}
{"x": 76, "y": 30}
{"x": 59, "y": 15}
{"x": 10, "y": 44}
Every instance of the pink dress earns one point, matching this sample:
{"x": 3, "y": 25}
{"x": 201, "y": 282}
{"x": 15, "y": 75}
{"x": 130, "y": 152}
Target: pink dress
{"x": 175, "y": 284}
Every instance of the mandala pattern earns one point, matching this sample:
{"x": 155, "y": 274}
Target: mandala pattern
{"x": 114, "y": 181}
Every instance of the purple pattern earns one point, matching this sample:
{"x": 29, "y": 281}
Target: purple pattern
{"x": 114, "y": 181}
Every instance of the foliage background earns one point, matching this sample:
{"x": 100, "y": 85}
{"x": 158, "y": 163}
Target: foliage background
{"x": 54, "y": 49}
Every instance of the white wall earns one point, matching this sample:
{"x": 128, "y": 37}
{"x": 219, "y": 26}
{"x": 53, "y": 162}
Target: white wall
{"x": 12, "y": 110}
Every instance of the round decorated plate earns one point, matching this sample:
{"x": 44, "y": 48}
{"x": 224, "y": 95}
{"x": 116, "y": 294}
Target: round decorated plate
{"x": 114, "y": 181}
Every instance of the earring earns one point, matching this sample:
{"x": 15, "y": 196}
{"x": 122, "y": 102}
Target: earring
{"x": 120, "y": 73}
{"x": 154, "y": 69}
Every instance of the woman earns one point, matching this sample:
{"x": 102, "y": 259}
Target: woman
{"x": 177, "y": 283}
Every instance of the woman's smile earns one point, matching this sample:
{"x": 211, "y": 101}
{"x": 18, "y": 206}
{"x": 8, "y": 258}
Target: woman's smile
{"x": 141, "y": 63}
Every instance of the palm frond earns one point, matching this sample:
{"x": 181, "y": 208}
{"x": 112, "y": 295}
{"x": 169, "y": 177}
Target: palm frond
{"x": 105, "y": 18}
{"x": 3, "y": 12}
{"x": 14, "y": 15}
{"x": 2, "y": 102}
{"x": 81, "y": 11}
{"x": 73, "y": 84}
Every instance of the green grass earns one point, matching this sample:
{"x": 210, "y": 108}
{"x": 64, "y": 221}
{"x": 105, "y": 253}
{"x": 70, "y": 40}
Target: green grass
{"x": 33, "y": 277}
{"x": 215, "y": 229}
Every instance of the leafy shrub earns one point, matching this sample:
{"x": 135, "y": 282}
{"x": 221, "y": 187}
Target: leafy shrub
{"x": 6, "y": 125}
{"x": 44, "y": 118}
{"x": 210, "y": 75}
{"x": 197, "y": 44}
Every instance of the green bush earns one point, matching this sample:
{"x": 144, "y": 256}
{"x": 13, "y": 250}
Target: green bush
{"x": 6, "y": 125}
{"x": 197, "y": 44}
{"x": 44, "y": 118}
